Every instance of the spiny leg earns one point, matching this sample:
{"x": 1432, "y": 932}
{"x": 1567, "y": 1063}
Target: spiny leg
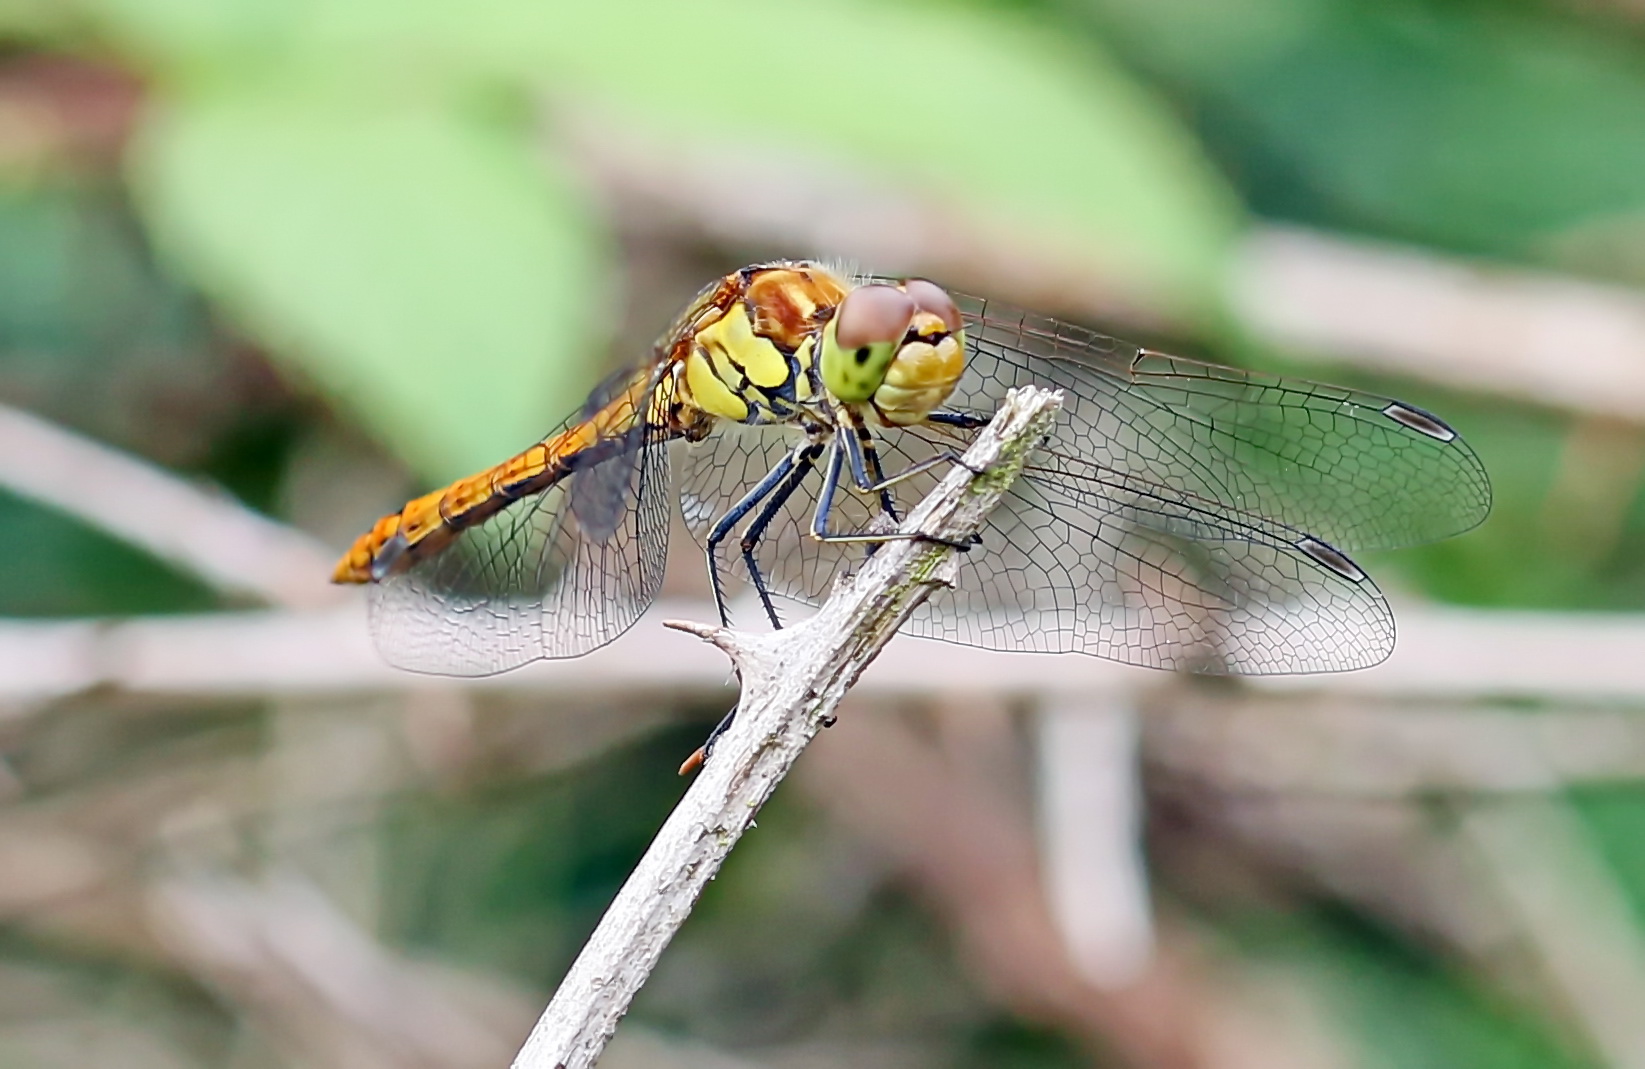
{"x": 723, "y": 526}
{"x": 702, "y": 753}
{"x": 854, "y": 439}
{"x": 804, "y": 464}
{"x": 965, "y": 421}
{"x": 825, "y": 505}
{"x": 869, "y": 477}
{"x": 864, "y": 456}
{"x": 867, "y": 473}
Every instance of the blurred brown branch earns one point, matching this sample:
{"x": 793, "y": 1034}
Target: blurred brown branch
{"x": 968, "y": 851}
{"x": 1541, "y": 338}
{"x": 1535, "y": 337}
{"x": 1568, "y": 908}
{"x": 1341, "y": 747}
{"x": 1453, "y": 654}
{"x": 207, "y": 535}
{"x": 1447, "y": 823}
{"x": 322, "y": 990}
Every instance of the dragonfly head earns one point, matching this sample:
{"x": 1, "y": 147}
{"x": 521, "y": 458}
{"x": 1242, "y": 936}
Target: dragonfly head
{"x": 901, "y": 346}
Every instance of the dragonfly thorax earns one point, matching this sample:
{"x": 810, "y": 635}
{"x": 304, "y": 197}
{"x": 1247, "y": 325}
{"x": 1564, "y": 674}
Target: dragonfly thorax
{"x": 745, "y": 351}
{"x": 781, "y": 343}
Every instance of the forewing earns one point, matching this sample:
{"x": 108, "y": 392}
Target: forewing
{"x": 1354, "y": 469}
{"x": 554, "y": 574}
{"x": 1145, "y": 575}
{"x": 1182, "y": 515}
{"x": 1075, "y": 561}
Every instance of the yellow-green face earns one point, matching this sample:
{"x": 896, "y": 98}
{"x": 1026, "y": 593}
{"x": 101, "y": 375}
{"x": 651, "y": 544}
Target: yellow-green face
{"x": 872, "y": 327}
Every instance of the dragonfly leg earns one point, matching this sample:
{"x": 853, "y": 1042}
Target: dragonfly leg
{"x": 866, "y": 472}
{"x": 863, "y": 453}
{"x": 803, "y": 465}
{"x": 946, "y": 457}
{"x": 723, "y": 526}
{"x": 701, "y": 754}
{"x": 965, "y": 421}
{"x": 825, "y": 506}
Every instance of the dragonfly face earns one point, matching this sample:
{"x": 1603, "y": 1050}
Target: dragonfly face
{"x": 898, "y": 347}
{"x": 1182, "y": 515}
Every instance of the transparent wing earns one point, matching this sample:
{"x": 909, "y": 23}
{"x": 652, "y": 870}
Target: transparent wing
{"x": 1183, "y": 515}
{"x": 1133, "y": 572}
{"x": 716, "y": 473}
{"x": 1354, "y": 469}
{"x": 554, "y": 574}
{"x": 1074, "y": 562}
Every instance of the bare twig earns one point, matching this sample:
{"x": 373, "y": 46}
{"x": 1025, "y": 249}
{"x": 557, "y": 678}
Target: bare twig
{"x": 792, "y": 681}
{"x": 226, "y": 545}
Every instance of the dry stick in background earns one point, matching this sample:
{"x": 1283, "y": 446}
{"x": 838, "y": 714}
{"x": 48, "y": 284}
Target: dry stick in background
{"x": 792, "y": 680}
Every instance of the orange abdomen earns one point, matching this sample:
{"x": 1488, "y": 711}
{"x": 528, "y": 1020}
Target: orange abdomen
{"x": 427, "y": 525}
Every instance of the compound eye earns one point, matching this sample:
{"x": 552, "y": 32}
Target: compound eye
{"x": 932, "y": 298}
{"x": 873, "y": 315}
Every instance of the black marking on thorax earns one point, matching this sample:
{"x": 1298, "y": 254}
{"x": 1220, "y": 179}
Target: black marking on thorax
{"x": 774, "y": 404}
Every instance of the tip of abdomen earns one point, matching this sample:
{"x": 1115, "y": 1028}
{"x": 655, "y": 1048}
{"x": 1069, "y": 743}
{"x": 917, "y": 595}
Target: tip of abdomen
{"x": 363, "y": 561}
{"x": 354, "y": 567}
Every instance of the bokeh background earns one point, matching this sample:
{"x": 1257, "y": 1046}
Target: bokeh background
{"x": 269, "y": 266}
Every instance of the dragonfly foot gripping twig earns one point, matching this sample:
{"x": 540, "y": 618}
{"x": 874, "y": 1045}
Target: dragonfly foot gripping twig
{"x": 792, "y": 681}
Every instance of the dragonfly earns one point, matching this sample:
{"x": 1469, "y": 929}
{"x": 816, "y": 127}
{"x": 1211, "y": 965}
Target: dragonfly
{"x": 1181, "y": 515}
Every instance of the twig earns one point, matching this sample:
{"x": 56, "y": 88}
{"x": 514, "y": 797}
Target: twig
{"x": 792, "y": 681}
{"x": 223, "y": 543}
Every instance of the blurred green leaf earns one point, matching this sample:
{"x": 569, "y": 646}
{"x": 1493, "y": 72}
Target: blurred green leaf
{"x": 1481, "y": 127}
{"x": 73, "y": 570}
{"x": 1616, "y": 817}
{"x": 980, "y": 108}
{"x": 170, "y": 35}
{"x": 1408, "y": 1010}
{"x": 34, "y": 19}
{"x": 514, "y": 873}
{"x": 94, "y": 335}
{"x": 418, "y": 262}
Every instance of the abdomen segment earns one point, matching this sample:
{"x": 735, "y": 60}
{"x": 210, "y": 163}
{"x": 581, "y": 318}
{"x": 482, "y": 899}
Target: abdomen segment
{"x": 428, "y": 524}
